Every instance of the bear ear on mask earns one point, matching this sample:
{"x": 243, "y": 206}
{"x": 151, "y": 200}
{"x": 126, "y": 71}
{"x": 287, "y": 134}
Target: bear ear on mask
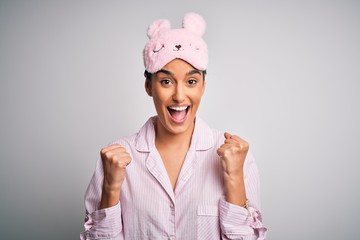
{"x": 166, "y": 44}
{"x": 194, "y": 23}
{"x": 157, "y": 27}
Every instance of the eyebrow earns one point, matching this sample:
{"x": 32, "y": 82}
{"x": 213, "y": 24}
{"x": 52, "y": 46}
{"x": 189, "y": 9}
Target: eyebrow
{"x": 192, "y": 72}
{"x": 165, "y": 72}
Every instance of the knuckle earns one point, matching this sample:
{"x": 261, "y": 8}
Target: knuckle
{"x": 122, "y": 164}
{"x": 245, "y": 145}
{"x": 114, "y": 160}
{"x": 103, "y": 151}
{"x": 108, "y": 155}
{"x": 125, "y": 159}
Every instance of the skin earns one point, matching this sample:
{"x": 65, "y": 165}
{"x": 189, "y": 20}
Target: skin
{"x": 176, "y": 84}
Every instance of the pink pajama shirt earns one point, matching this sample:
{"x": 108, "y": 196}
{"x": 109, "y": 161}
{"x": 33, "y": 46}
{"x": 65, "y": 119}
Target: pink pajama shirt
{"x": 150, "y": 209}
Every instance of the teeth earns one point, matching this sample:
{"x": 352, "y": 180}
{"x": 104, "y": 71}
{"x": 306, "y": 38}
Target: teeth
{"x": 179, "y": 108}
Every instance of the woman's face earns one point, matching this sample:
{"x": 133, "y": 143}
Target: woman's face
{"x": 176, "y": 91}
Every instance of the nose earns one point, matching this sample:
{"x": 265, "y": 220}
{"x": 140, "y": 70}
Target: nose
{"x": 179, "y": 94}
{"x": 178, "y": 46}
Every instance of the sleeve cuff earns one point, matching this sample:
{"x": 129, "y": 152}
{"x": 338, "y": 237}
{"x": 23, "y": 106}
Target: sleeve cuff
{"x": 104, "y": 223}
{"x": 234, "y": 214}
{"x": 103, "y": 214}
{"x": 240, "y": 223}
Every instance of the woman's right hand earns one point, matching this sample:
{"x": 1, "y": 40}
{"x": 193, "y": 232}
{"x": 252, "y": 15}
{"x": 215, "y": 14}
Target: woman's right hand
{"x": 115, "y": 159}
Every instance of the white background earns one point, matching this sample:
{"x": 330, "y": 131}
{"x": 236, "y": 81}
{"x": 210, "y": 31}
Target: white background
{"x": 284, "y": 75}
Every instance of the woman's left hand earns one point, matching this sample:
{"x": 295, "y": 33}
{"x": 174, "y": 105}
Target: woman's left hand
{"x": 233, "y": 153}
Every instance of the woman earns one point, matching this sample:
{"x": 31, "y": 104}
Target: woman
{"x": 176, "y": 178}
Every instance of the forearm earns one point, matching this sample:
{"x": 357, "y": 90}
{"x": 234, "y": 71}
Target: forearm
{"x": 235, "y": 192}
{"x": 110, "y": 196}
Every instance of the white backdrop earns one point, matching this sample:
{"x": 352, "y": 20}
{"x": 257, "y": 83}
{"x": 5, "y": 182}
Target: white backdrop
{"x": 284, "y": 75}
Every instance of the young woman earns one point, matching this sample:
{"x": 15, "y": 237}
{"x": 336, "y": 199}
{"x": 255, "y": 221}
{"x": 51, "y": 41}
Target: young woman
{"x": 176, "y": 178}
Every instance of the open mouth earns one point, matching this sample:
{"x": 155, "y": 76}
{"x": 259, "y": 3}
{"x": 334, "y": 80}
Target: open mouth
{"x": 178, "y": 113}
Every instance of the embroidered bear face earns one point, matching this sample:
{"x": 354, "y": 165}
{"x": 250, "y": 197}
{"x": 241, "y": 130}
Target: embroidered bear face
{"x": 175, "y": 41}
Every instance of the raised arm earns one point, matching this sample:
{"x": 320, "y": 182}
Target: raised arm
{"x": 102, "y": 198}
{"x": 240, "y": 216}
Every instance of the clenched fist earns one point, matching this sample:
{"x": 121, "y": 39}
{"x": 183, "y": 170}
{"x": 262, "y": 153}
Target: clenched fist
{"x": 115, "y": 159}
{"x": 232, "y": 154}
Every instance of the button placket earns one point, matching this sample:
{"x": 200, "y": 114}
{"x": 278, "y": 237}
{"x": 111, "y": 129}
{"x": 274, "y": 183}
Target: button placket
{"x": 172, "y": 221}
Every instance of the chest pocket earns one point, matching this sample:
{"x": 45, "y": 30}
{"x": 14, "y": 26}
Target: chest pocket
{"x": 208, "y": 222}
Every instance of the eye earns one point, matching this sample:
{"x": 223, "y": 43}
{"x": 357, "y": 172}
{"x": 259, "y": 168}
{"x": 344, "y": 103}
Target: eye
{"x": 192, "y": 82}
{"x": 165, "y": 82}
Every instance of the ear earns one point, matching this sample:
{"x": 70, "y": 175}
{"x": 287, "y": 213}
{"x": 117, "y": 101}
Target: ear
{"x": 148, "y": 87}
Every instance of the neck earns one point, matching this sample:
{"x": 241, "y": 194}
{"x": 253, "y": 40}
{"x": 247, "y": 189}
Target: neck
{"x": 164, "y": 138}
